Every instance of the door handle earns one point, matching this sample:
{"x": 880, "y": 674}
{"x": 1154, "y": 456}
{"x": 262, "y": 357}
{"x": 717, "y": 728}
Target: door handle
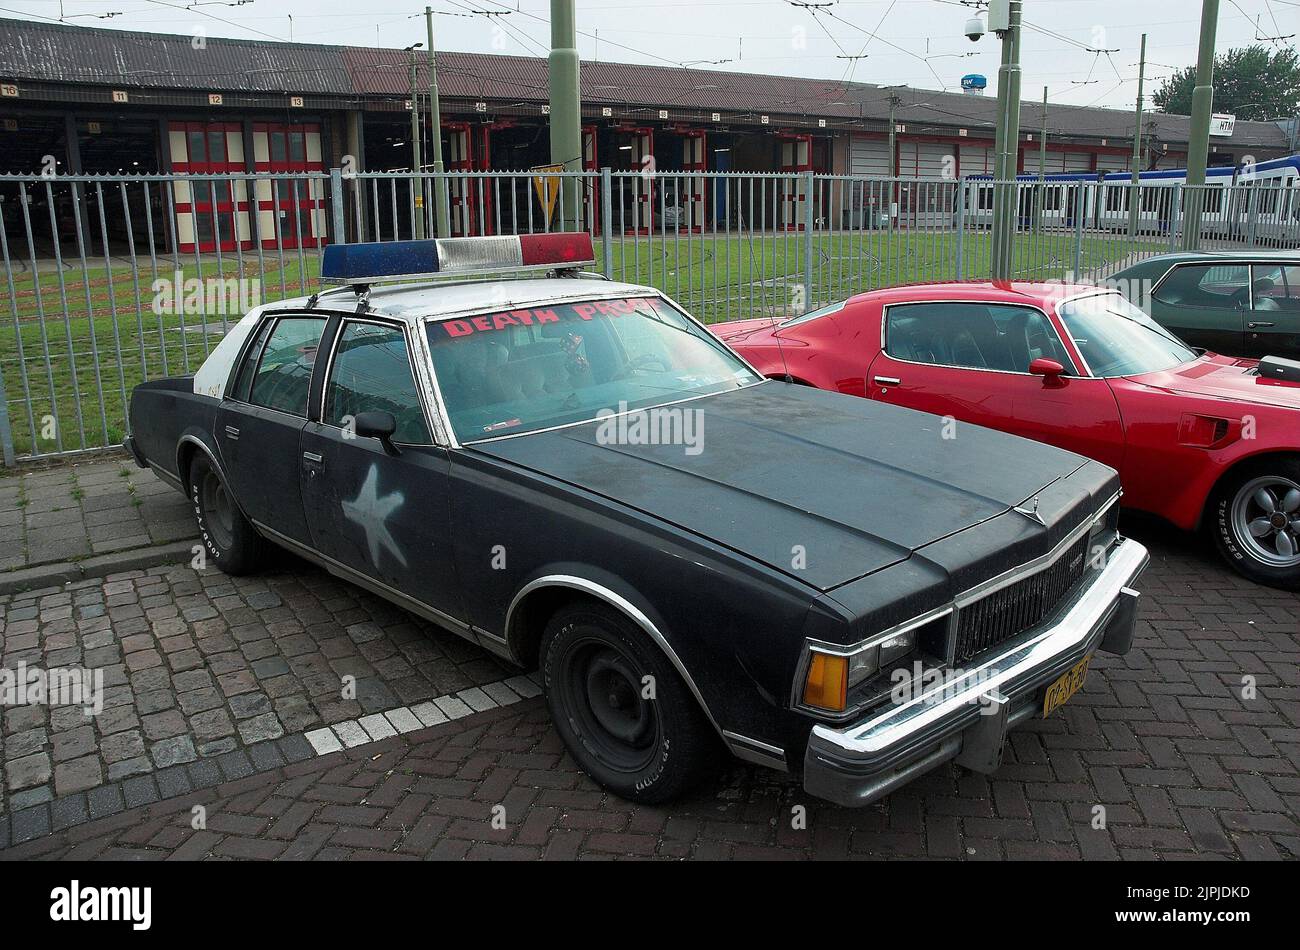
{"x": 1256, "y": 326}
{"x": 232, "y": 432}
{"x": 888, "y": 381}
{"x": 313, "y": 463}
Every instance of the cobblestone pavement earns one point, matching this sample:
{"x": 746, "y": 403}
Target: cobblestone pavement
{"x": 72, "y": 513}
{"x": 1185, "y": 761}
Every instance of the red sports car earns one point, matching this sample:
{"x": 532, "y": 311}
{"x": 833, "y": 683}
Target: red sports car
{"x": 1198, "y": 439}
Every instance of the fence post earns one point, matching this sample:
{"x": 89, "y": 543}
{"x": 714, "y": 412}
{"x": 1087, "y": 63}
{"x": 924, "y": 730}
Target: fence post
{"x": 1175, "y": 216}
{"x": 336, "y": 205}
{"x": 808, "y": 220}
{"x": 960, "y": 261}
{"x": 6, "y": 431}
{"x": 1080, "y": 206}
{"x": 1252, "y": 208}
{"x": 606, "y": 221}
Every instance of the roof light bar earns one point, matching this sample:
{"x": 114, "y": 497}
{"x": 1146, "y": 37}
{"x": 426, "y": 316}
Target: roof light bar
{"x": 404, "y": 260}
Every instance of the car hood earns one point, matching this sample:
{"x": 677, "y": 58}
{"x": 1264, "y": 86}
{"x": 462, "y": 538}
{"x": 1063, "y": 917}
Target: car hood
{"x": 821, "y": 486}
{"x": 1224, "y": 377}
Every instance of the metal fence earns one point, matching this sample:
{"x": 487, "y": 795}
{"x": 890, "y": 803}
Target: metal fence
{"x": 113, "y": 280}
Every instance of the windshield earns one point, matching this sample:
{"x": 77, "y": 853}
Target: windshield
{"x": 519, "y": 370}
{"x": 1118, "y": 339}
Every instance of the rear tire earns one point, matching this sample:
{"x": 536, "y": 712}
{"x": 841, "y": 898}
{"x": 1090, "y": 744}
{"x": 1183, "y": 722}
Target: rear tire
{"x": 1255, "y": 520}
{"x": 643, "y": 748}
{"x": 229, "y": 540}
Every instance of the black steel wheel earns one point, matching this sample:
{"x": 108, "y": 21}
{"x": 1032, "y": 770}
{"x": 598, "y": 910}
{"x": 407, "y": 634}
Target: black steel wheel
{"x": 229, "y": 540}
{"x": 621, "y": 708}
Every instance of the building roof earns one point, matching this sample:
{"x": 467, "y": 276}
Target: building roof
{"x": 49, "y": 53}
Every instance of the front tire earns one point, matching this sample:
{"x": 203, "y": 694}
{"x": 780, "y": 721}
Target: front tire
{"x": 1256, "y": 522}
{"x": 229, "y": 540}
{"x": 622, "y": 710}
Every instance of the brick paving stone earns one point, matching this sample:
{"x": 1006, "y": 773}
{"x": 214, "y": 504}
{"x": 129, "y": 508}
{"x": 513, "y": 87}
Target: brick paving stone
{"x": 1163, "y": 738}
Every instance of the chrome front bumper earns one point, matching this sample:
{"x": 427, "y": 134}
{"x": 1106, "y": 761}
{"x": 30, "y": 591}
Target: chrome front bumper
{"x": 966, "y": 717}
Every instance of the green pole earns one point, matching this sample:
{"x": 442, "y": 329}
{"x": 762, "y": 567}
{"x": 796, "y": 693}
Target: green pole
{"x": 443, "y": 217}
{"x": 417, "y": 183}
{"x": 1137, "y": 145}
{"x": 1042, "y": 141}
{"x": 1008, "y": 144}
{"x": 566, "y": 105}
{"x": 1042, "y": 164}
{"x": 893, "y": 152}
{"x": 1198, "y": 144}
{"x": 893, "y": 135}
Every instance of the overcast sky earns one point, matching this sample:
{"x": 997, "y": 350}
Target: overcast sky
{"x": 914, "y": 42}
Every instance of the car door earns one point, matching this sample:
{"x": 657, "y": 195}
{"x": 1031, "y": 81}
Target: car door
{"x": 1273, "y": 325}
{"x": 259, "y": 424}
{"x": 970, "y": 361}
{"x": 1205, "y": 305}
{"x": 380, "y": 511}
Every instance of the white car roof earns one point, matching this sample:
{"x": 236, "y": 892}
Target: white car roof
{"x": 413, "y": 303}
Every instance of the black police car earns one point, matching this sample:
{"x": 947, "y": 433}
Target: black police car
{"x": 576, "y": 475}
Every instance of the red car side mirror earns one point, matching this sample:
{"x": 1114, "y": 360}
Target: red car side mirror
{"x": 1050, "y": 369}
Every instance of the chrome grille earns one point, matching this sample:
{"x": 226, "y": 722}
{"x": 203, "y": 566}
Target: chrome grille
{"x": 1013, "y": 609}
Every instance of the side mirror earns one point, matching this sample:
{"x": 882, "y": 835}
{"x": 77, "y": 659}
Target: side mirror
{"x": 1050, "y": 370}
{"x": 377, "y": 424}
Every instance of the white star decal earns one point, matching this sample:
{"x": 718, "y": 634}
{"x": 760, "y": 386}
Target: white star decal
{"x": 371, "y": 512}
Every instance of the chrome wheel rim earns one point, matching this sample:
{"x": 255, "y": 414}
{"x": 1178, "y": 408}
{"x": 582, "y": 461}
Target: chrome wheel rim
{"x": 1266, "y": 520}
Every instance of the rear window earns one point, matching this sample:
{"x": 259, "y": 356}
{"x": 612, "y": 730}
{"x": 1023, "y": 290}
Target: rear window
{"x": 507, "y": 372}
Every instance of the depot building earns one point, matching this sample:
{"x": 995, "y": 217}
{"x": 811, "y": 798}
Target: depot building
{"x": 90, "y": 101}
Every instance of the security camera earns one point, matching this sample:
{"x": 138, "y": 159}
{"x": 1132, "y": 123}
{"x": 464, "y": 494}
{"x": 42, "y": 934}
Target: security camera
{"x": 974, "y": 29}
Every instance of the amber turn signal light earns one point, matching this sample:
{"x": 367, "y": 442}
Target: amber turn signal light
{"x": 828, "y": 682}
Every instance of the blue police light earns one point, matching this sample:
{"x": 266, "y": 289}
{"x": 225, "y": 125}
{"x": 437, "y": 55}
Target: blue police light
{"x": 375, "y": 261}
{"x": 394, "y": 260}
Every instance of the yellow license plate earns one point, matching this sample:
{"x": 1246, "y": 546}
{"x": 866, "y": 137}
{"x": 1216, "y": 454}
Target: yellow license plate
{"x": 1066, "y": 685}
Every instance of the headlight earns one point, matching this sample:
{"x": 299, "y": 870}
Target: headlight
{"x": 833, "y": 671}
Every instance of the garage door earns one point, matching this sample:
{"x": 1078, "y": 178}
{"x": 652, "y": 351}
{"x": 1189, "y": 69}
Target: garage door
{"x": 1076, "y": 161}
{"x": 869, "y": 157}
{"x": 977, "y": 160}
{"x": 924, "y": 160}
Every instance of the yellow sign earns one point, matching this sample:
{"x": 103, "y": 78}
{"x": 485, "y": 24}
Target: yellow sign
{"x": 547, "y": 187}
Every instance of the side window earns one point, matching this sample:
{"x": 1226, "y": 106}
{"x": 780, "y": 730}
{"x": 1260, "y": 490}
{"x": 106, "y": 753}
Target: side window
{"x": 1275, "y": 287}
{"x": 372, "y": 371}
{"x": 972, "y": 336}
{"x": 251, "y": 356}
{"x": 283, "y": 375}
{"x": 1217, "y": 286}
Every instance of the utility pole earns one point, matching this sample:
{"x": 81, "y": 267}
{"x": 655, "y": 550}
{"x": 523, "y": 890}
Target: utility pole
{"x": 417, "y": 183}
{"x": 894, "y": 100}
{"x": 443, "y": 216}
{"x": 566, "y": 106}
{"x": 1042, "y": 166}
{"x": 1007, "y": 143}
{"x": 1135, "y": 190}
{"x": 1042, "y": 141}
{"x": 1198, "y": 143}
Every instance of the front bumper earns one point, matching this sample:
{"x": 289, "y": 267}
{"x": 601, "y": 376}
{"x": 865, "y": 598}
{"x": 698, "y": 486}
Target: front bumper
{"x": 966, "y": 717}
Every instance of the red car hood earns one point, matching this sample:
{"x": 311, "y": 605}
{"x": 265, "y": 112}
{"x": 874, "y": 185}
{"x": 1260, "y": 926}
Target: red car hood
{"x": 1224, "y": 377}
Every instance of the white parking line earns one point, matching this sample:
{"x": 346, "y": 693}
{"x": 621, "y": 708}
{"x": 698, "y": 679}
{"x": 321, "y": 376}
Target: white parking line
{"x": 403, "y": 719}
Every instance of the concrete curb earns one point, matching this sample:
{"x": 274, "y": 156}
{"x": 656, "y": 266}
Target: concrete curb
{"x": 66, "y": 572}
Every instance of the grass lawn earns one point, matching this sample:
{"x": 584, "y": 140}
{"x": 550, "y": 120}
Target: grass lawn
{"x": 103, "y": 334}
